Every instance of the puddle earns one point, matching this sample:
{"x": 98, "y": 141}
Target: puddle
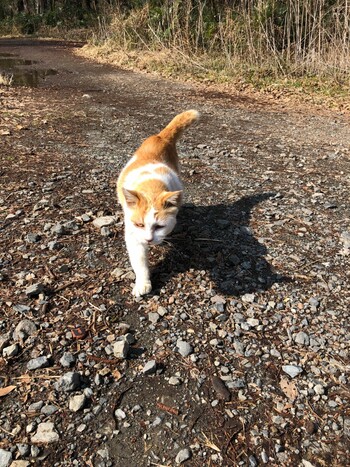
{"x": 11, "y": 66}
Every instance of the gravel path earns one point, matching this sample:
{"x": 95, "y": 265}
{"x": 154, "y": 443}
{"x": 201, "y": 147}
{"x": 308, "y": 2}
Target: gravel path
{"x": 240, "y": 356}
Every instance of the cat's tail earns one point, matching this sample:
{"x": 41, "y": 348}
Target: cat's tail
{"x": 174, "y": 130}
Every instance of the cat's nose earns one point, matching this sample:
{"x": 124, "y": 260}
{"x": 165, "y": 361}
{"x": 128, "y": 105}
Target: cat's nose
{"x": 149, "y": 240}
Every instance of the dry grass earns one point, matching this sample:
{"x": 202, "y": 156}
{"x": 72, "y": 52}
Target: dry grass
{"x": 6, "y": 79}
{"x": 304, "y": 49}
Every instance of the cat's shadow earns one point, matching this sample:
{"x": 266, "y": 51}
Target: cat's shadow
{"x": 218, "y": 239}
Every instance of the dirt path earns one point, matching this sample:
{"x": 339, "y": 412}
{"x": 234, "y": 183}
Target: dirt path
{"x": 255, "y": 279}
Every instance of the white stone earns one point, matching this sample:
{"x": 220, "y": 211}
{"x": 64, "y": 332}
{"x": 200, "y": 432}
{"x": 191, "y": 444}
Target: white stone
{"x": 292, "y": 370}
{"x": 45, "y": 433}
{"x": 121, "y": 349}
{"x": 5, "y": 458}
{"x": 183, "y": 456}
{"x": 104, "y": 221}
{"x": 77, "y": 402}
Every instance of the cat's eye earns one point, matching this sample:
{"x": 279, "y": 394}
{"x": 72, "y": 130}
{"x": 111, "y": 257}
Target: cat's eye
{"x": 140, "y": 225}
{"x": 158, "y": 227}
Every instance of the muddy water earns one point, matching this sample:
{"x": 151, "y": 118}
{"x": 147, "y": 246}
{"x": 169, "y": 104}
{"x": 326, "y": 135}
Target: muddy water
{"x": 22, "y": 71}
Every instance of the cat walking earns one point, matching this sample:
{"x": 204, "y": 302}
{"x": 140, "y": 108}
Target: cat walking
{"x": 150, "y": 193}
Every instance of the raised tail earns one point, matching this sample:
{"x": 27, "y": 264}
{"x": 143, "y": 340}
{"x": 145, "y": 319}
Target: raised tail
{"x": 174, "y": 130}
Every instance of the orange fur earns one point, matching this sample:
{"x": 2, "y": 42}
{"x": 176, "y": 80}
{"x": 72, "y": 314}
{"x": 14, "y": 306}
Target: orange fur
{"x": 157, "y": 148}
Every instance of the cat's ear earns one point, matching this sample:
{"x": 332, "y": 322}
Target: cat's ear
{"x": 172, "y": 199}
{"x": 132, "y": 198}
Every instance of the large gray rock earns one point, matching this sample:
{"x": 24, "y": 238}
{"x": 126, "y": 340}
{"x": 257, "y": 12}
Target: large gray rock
{"x": 5, "y": 458}
{"x": 68, "y": 382}
{"x": 184, "y": 348}
{"x": 24, "y": 329}
{"x": 121, "y": 348}
{"x": 183, "y": 456}
{"x": 77, "y": 402}
{"x": 4, "y": 340}
{"x": 45, "y": 433}
{"x": 39, "y": 362}
{"x": 150, "y": 367}
{"x": 10, "y": 351}
{"x": 104, "y": 221}
{"x": 292, "y": 370}
{"x": 35, "y": 289}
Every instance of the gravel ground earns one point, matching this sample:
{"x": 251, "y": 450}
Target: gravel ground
{"x": 240, "y": 356}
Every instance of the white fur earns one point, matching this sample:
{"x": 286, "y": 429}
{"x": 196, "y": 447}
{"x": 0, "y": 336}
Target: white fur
{"x": 148, "y": 172}
{"x": 137, "y": 241}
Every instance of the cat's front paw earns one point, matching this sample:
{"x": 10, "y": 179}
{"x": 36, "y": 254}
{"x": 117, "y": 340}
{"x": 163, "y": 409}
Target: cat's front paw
{"x": 142, "y": 288}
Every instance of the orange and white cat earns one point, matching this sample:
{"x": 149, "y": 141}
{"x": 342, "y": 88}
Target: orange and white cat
{"x": 150, "y": 192}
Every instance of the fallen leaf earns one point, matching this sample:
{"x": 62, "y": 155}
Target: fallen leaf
{"x": 6, "y": 390}
{"x": 79, "y": 332}
{"x": 289, "y": 388}
{"x": 117, "y": 375}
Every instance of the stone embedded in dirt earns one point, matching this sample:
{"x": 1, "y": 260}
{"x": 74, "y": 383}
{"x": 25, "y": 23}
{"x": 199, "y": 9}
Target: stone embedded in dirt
{"x": 153, "y": 317}
{"x": 36, "y": 406}
{"x": 34, "y": 289}
{"x": 10, "y": 351}
{"x": 39, "y": 362}
{"x": 49, "y": 409}
{"x": 150, "y": 368}
{"x": 162, "y": 311}
{"x": 85, "y": 218}
{"x": 105, "y": 231}
{"x": 24, "y": 329}
{"x": 54, "y": 245}
{"x": 292, "y": 370}
{"x": 104, "y": 453}
{"x": 252, "y": 461}
{"x": 121, "y": 349}
{"x": 58, "y": 229}
{"x": 68, "y": 382}
{"x": 120, "y": 414}
{"x": 123, "y": 328}
{"x": 67, "y": 360}
{"x": 33, "y": 238}
{"x": 183, "y": 456}
{"x": 264, "y": 457}
{"x": 129, "y": 338}
{"x": 345, "y": 238}
{"x": 347, "y": 426}
{"x": 4, "y": 340}
{"x": 23, "y": 449}
{"x": 21, "y": 308}
{"x": 220, "y": 388}
{"x": 118, "y": 273}
{"x": 184, "y": 348}
{"x": 70, "y": 226}
{"x": 20, "y": 463}
{"x": 248, "y": 298}
{"x": 253, "y": 322}
{"x": 46, "y": 433}
{"x": 5, "y": 458}
{"x": 302, "y": 338}
{"x": 77, "y": 402}
{"x": 105, "y": 221}
{"x": 319, "y": 389}
{"x": 174, "y": 381}
{"x": 34, "y": 451}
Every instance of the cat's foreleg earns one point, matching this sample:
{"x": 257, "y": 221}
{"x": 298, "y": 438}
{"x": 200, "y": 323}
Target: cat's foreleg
{"x": 138, "y": 254}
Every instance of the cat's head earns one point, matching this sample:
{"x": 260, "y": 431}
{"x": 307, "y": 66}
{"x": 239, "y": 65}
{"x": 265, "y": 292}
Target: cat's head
{"x": 150, "y": 221}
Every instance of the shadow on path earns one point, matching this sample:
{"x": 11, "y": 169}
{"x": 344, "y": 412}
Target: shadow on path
{"x": 218, "y": 239}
